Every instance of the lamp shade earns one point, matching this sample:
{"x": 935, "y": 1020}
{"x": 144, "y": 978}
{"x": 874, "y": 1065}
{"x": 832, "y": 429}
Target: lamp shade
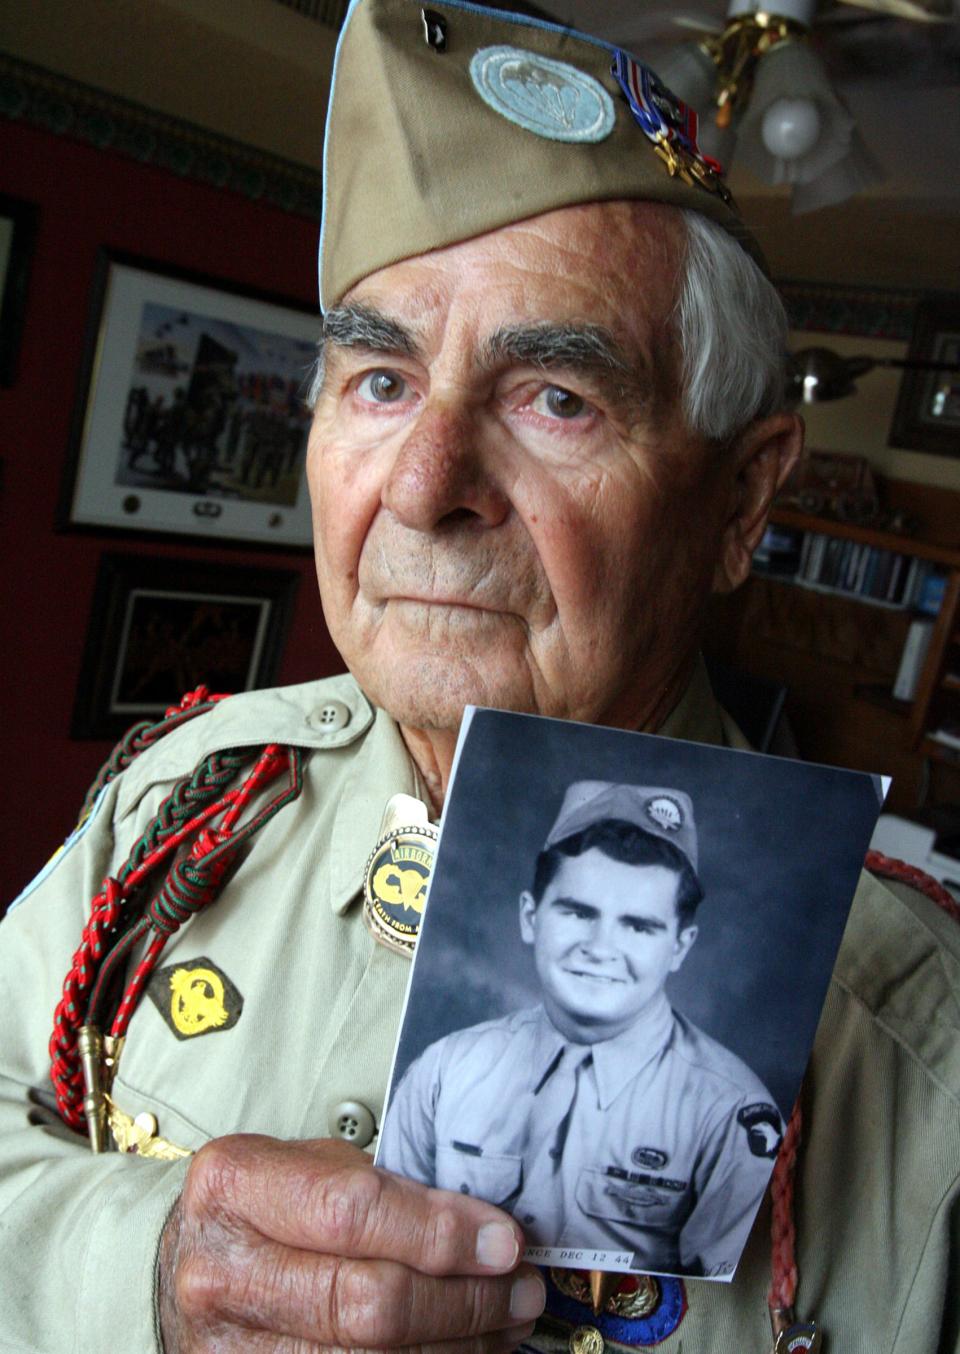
{"x": 856, "y": 171}
{"x": 791, "y": 94}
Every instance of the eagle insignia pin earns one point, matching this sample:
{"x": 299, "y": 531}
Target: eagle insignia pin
{"x": 195, "y": 997}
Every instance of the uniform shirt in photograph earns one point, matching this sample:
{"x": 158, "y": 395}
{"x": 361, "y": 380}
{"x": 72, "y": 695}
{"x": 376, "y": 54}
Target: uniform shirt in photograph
{"x": 661, "y": 1142}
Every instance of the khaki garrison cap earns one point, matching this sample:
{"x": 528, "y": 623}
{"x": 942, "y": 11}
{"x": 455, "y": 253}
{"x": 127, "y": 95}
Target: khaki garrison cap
{"x": 450, "y": 120}
{"x": 657, "y": 810}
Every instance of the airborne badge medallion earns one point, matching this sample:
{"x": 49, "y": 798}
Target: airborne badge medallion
{"x": 397, "y": 874}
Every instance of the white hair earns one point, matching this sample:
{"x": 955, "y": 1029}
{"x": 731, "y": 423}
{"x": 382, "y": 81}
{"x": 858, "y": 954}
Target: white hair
{"x": 732, "y": 330}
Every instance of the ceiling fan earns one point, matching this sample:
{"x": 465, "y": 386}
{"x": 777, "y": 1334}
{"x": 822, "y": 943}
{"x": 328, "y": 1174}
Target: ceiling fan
{"x": 768, "y": 79}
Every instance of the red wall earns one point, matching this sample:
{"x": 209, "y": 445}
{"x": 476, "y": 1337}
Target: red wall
{"x": 88, "y": 199}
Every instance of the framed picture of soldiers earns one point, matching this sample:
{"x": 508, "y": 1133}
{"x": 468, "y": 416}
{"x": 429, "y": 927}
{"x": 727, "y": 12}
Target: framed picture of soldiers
{"x": 190, "y": 416}
{"x": 159, "y": 627}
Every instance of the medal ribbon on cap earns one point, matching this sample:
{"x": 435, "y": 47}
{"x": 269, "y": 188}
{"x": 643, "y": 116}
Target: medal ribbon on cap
{"x": 669, "y": 123}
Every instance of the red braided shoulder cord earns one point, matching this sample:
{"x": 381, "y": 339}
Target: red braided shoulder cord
{"x": 783, "y": 1285}
{"x": 126, "y": 914}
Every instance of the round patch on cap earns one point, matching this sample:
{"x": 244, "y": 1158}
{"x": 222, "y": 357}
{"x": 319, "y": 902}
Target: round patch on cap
{"x": 665, "y": 812}
{"x": 546, "y": 97}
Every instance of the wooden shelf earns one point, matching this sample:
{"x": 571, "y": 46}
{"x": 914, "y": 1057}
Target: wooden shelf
{"x": 947, "y": 556}
{"x": 940, "y": 752}
{"x": 838, "y": 655}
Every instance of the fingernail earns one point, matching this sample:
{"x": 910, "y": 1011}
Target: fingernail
{"x": 497, "y": 1246}
{"x": 528, "y": 1297}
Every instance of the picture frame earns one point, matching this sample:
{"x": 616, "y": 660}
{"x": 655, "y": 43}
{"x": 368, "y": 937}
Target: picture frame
{"x": 161, "y": 626}
{"x": 927, "y": 413}
{"x": 190, "y": 417}
{"x": 18, "y": 229}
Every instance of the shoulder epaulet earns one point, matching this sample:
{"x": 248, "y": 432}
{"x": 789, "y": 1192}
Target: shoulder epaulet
{"x": 886, "y": 867}
{"x": 144, "y": 734}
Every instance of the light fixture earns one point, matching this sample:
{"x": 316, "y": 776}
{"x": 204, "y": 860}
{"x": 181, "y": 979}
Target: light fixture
{"x": 815, "y": 375}
{"x": 763, "y": 94}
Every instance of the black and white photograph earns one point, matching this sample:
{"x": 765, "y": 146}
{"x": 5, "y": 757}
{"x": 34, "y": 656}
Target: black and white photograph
{"x": 193, "y": 417}
{"x": 623, "y": 959}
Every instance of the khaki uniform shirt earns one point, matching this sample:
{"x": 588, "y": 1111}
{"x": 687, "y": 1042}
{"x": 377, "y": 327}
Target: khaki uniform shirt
{"x": 662, "y": 1081}
{"x": 877, "y": 1210}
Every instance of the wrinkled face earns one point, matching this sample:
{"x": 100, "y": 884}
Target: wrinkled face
{"x": 605, "y": 938}
{"x": 507, "y": 508}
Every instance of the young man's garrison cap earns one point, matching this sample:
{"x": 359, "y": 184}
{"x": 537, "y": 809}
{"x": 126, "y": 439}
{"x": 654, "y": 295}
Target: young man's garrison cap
{"x": 659, "y": 811}
{"x": 450, "y": 120}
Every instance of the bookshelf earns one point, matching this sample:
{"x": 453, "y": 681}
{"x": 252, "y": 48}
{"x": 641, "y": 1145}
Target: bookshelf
{"x": 838, "y": 653}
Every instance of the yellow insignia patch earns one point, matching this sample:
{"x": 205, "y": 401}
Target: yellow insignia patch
{"x": 195, "y": 997}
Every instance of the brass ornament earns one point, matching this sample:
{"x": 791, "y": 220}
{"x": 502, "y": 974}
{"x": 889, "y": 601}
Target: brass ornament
{"x": 636, "y": 1302}
{"x": 586, "y": 1340}
{"x": 689, "y": 169}
{"x": 139, "y": 1135}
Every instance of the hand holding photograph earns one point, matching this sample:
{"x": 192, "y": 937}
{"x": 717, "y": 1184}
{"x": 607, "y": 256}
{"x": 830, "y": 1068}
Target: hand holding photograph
{"x": 619, "y": 974}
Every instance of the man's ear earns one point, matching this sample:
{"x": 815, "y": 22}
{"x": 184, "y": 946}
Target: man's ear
{"x": 763, "y": 457}
{"x": 528, "y": 908}
{"x": 683, "y": 945}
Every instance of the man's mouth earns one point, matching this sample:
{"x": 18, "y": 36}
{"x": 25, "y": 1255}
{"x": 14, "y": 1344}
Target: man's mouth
{"x": 589, "y": 976}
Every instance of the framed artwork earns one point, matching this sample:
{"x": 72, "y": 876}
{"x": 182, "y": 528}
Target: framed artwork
{"x": 160, "y": 627}
{"x": 190, "y": 417}
{"x": 927, "y": 416}
{"x": 18, "y": 228}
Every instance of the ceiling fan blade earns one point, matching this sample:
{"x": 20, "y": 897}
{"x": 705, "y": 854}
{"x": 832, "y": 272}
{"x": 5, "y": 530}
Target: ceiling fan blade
{"x": 913, "y": 10}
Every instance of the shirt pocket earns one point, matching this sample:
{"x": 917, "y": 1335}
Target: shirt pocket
{"x": 647, "y": 1204}
{"x": 493, "y": 1178}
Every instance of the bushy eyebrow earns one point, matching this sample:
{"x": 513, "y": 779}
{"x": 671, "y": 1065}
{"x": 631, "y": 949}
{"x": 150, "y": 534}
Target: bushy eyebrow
{"x": 589, "y": 350}
{"x": 358, "y": 326}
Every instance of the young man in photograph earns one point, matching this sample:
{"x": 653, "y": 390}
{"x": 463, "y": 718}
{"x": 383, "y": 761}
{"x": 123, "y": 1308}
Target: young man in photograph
{"x": 600, "y": 1117}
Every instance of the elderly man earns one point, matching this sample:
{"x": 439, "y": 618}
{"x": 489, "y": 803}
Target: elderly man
{"x": 548, "y": 427}
{"x": 602, "y": 1063}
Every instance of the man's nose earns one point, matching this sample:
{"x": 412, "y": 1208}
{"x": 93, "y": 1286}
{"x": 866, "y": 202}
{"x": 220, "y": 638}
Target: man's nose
{"x": 599, "y": 943}
{"x": 441, "y": 473}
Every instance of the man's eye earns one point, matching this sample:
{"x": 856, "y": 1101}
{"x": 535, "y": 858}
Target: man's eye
{"x": 559, "y": 403}
{"x": 382, "y": 387}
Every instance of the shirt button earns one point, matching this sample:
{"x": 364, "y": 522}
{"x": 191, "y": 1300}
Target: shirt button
{"x": 464, "y": 1188}
{"x": 330, "y": 717}
{"x": 353, "y": 1122}
{"x": 528, "y": 1218}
